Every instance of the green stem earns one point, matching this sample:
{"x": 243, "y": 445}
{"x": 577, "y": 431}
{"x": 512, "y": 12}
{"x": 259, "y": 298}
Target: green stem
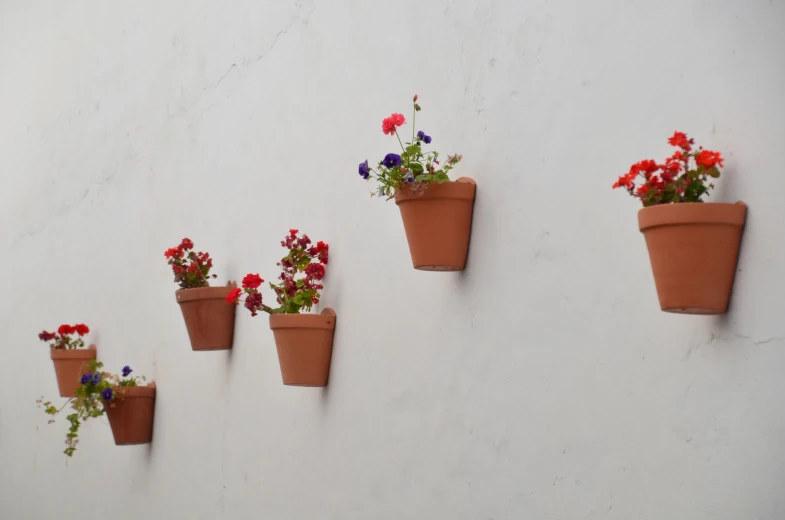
{"x": 399, "y": 141}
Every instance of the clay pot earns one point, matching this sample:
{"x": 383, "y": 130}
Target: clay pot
{"x": 305, "y": 346}
{"x": 131, "y": 414}
{"x": 693, "y": 249}
{"x": 208, "y": 318}
{"x": 438, "y": 224}
{"x": 70, "y": 364}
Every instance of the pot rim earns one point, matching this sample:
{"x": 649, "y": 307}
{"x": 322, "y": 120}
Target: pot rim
{"x": 325, "y": 320}
{"x": 73, "y": 353}
{"x": 674, "y": 214}
{"x": 148, "y": 390}
{"x": 204, "y": 293}
{"x": 463, "y": 188}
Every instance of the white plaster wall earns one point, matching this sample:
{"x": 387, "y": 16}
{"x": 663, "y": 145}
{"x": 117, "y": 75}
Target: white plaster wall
{"x": 542, "y": 382}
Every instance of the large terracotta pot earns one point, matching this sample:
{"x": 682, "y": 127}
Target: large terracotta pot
{"x": 305, "y": 346}
{"x": 131, "y": 414}
{"x": 438, "y": 224}
{"x": 693, "y": 249}
{"x": 70, "y": 364}
{"x": 208, "y": 318}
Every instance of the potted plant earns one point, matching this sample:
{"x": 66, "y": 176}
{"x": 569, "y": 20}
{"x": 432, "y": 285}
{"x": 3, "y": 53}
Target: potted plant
{"x": 69, "y": 356}
{"x": 304, "y": 341}
{"x": 436, "y": 212}
{"x": 209, "y": 321}
{"x": 128, "y": 406}
{"x": 693, "y": 246}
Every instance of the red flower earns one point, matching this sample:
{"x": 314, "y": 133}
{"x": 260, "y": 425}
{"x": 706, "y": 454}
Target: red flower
{"x": 65, "y": 330}
{"x": 315, "y": 270}
{"x": 252, "y": 281}
{"x": 415, "y": 98}
{"x": 192, "y": 267}
{"x": 390, "y": 124}
{"x": 708, "y": 159}
{"x": 47, "y": 336}
{"x": 234, "y": 295}
{"x": 173, "y": 252}
{"x": 681, "y": 140}
{"x": 81, "y": 329}
{"x": 186, "y": 244}
{"x": 294, "y": 231}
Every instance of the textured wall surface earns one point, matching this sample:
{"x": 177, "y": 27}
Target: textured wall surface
{"x": 542, "y": 382}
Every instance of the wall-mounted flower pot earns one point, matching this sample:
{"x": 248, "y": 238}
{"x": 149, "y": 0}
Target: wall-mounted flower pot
{"x": 70, "y": 364}
{"x": 209, "y": 320}
{"x": 438, "y": 224}
{"x": 131, "y": 414}
{"x": 305, "y": 346}
{"x": 693, "y": 249}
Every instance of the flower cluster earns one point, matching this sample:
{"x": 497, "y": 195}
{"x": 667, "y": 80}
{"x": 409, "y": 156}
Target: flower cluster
{"x": 677, "y": 179}
{"x": 293, "y": 293}
{"x": 190, "y": 269}
{"x": 97, "y": 390}
{"x": 62, "y": 338}
{"x": 413, "y": 166}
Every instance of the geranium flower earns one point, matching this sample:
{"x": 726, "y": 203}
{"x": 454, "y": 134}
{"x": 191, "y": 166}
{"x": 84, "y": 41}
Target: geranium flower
{"x": 391, "y": 124}
{"x": 234, "y": 295}
{"x": 81, "y": 329}
{"x": 252, "y": 281}
{"x": 65, "y": 330}
{"x": 708, "y": 159}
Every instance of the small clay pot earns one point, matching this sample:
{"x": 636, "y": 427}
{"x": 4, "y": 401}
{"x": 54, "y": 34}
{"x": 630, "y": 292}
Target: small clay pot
{"x": 208, "y": 317}
{"x": 693, "y": 249}
{"x": 305, "y": 346}
{"x": 70, "y": 364}
{"x": 131, "y": 414}
{"x": 438, "y": 223}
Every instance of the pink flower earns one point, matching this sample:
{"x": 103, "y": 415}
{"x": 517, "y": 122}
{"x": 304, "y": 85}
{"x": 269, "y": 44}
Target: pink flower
{"x": 390, "y": 124}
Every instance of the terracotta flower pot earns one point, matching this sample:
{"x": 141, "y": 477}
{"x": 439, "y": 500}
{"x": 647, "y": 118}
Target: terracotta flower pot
{"x": 305, "y": 346}
{"x": 131, "y": 414}
{"x": 208, "y": 318}
{"x": 693, "y": 249}
{"x": 70, "y": 364}
{"x": 438, "y": 224}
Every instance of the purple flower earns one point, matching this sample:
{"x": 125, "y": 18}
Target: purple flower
{"x": 421, "y": 135}
{"x": 85, "y": 378}
{"x": 409, "y": 178}
{"x": 95, "y": 379}
{"x": 391, "y": 160}
{"x": 126, "y": 371}
{"x": 107, "y": 394}
{"x": 364, "y": 170}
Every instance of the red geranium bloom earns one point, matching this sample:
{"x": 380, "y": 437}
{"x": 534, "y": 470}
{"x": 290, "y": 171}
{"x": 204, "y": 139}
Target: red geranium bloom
{"x": 294, "y": 231}
{"x": 65, "y": 330}
{"x": 173, "y": 252}
{"x": 315, "y": 270}
{"x": 708, "y": 159}
{"x": 252, "y": 281}
{"x": 681, "y": 140}
{"x": 47, "y": 336}
{"x": 186, "y": 244}
{"x": 81, "y": 329}
{"x": 390, "y": 124}
{"x": 234, "y": 295}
